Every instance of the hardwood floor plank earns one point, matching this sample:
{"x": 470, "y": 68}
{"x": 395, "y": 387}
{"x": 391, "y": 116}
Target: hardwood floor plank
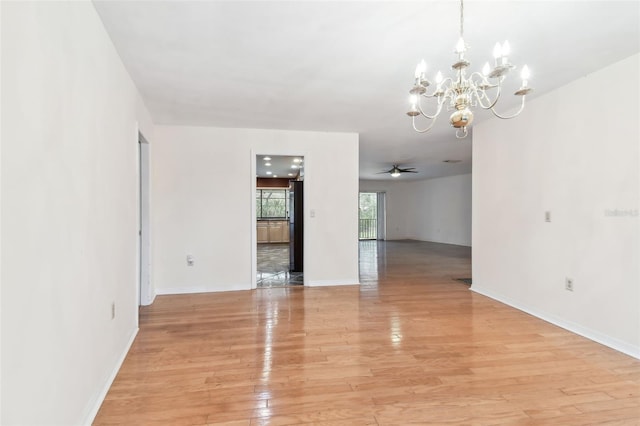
{"x": 327, "y": 417}
{"x": 409, "y": 346}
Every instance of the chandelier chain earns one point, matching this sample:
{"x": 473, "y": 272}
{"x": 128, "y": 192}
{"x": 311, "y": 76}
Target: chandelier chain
{"x": 461, "y": 18}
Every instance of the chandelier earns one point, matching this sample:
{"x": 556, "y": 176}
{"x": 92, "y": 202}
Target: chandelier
{"x": 460, "y": 93}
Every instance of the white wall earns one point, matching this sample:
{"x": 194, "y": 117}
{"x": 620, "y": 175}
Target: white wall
{"x": 70, "y": 120}
{"x": 573, "y": 152}
{"x": 1, "y": 274}
{"x": 437, "y": 210}
{"x": 440, "y": 210}
{"x": 204, "y": 192}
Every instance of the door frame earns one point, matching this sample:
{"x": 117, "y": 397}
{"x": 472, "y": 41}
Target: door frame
{"x": 143, "y": 252}
{"x": 381, "y": 214}
{"x": 253, "y": 185}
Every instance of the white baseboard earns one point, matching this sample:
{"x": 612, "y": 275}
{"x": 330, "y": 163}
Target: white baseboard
{"x": 451, "y": 243}
{"x": 149, "y": 300}
{"x": 97, "y": 403}
{"x": 461, "y": 244}
{"x": 590, "y": 334}
{"x": 202, "y": 289}
{"x": 327, "y": 283}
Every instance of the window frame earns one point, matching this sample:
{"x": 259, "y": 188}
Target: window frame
{"x": 260, "y": 204}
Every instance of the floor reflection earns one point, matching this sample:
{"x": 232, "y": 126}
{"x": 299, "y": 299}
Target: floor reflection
{"x": 372, "y": 258}
{"x": 384, "y": 261}
{"x": 415, "y": 346}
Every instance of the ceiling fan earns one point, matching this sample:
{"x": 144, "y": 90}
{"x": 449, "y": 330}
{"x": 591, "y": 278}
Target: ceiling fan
{"x": 396, "y": 171}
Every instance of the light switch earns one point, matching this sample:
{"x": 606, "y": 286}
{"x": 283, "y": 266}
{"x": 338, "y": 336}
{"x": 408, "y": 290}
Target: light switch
{"x": 312, "y": 213}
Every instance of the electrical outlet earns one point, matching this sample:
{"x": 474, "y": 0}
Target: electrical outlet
{"x": 547, "y": 216}
{"x": 113, "y": 310}
{"x": 568, "y": 284}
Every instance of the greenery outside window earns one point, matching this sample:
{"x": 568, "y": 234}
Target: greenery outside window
{"x": 368, "y": 216}
{"x": 272, "y": 203}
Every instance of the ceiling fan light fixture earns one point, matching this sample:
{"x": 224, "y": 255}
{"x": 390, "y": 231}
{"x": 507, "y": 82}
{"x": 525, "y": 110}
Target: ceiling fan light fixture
{"x": 461, "y": 92}
{"x": 395, "y": 171}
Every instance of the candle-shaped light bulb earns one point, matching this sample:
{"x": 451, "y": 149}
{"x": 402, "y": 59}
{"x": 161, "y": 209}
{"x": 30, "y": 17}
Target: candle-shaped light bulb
{"x": 460, "y": 46}
{"x": 439, "y": 77}
{"x": 413, "y": 110}
{"x": 506, "y": 48}
{"x": 525, "y": 74}
{"x": 497, "y": 51}
{"x": 421, "y": 69}
{"x": 486, "y": 69}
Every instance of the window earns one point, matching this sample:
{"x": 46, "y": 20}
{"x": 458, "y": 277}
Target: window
{"x": 368, "y": 223}
{"x": 272, "y": 203}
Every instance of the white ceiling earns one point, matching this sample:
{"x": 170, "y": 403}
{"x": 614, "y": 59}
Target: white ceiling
{"x": 280, "y": 166}
{"x": 347, "y": 66}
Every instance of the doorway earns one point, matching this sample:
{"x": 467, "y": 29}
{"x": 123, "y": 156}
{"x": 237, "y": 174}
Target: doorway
{"x": 279, "y": 221}
{"x": 144, "y": 246}
{"x": 371, "y": 216}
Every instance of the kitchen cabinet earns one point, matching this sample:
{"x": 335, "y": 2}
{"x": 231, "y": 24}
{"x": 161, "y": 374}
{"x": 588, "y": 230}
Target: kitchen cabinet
{"x": 263, "y": 232}
{"x": 273, "y": 231}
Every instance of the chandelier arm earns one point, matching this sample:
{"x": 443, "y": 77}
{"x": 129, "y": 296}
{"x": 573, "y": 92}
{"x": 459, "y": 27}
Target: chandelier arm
{"x": 483, "y": 79}
{"x": 447, "y": 81}
{"x": 438, "y": 110}
{"x": 433, "y": 95}
{"x": 506, "y": 117}
{"x": 448, "y": 93}
{"x": 413, "y": 121}
{"x": 492, "y": 104}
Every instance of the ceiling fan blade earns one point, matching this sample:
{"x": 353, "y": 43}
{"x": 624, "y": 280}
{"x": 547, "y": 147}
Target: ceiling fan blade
{"x": 396, "y": 169}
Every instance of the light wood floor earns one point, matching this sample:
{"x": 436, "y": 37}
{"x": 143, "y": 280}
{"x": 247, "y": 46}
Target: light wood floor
{"x": 410, "y": 345}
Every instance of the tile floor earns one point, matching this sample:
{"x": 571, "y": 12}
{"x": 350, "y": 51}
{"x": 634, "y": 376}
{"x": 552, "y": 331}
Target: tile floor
{"x": 273, "y": 267}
